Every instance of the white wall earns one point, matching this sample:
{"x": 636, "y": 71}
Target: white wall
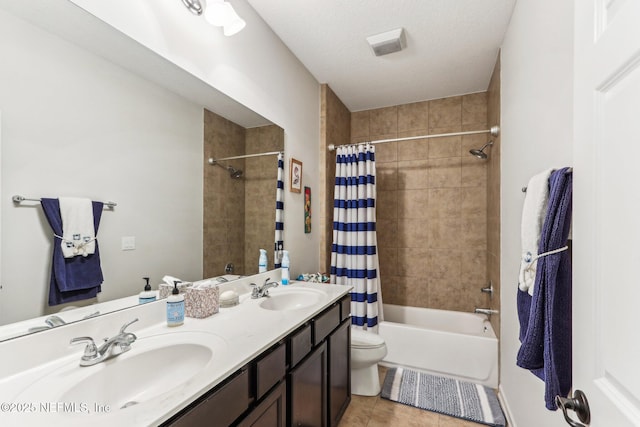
{"x": 253, "y": 67}
{"x": 537, "y": 120}
{"x": 77, "y": 125}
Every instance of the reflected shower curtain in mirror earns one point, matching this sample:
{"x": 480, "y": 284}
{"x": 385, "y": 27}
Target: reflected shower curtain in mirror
{"x": 354, "y": 253}
{"x": 279, "y": 243}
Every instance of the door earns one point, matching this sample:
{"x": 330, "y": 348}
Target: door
{"x": 606, "y": 226}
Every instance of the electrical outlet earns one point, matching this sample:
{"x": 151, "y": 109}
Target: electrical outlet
{"x": 128, "y": 243}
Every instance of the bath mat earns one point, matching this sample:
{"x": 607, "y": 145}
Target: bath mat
{"x": 460, "y": 399}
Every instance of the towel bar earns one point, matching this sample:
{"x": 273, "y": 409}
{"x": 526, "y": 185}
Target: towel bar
{"x": 20, "y": 199}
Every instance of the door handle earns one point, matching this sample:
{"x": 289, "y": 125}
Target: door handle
{"x": 579, "y": 404}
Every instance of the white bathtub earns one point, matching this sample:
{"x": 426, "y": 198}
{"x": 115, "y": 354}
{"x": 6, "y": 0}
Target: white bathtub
{"x": 449, "y": 343}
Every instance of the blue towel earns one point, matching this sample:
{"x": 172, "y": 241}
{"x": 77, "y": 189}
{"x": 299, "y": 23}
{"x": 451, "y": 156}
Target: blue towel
{"x": 77, "y": 278}
{"x": 545, "y": 317}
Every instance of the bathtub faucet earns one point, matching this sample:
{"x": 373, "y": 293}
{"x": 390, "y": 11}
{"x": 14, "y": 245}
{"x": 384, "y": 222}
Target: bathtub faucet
{"x": 486, "y": 311}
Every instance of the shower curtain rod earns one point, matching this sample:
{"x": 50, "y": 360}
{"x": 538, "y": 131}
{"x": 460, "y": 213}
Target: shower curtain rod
{"x": 494, "y": 131}
{"x": 270, "y": 153}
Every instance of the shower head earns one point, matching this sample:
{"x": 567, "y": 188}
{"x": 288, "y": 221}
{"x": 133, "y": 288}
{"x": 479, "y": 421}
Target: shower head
{"x": 480, "y": 153}
{"x": 233, "y": 172}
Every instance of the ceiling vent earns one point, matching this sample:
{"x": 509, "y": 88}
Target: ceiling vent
{"x": 388, "y": 42}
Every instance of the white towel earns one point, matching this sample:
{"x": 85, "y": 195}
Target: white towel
{"x": 533, "y": 213}
{"x": 78, "y": 235}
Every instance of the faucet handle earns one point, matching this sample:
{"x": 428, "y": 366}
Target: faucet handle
{"x": 126, "y": 325}
{"x": 90, "y": 351}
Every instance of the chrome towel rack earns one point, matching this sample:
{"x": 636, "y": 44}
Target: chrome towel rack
{"x": 20, "y": 199}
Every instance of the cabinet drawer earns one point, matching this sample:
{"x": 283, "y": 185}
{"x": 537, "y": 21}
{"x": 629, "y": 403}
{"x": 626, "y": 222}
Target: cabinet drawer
{"x": 299, "y": 345}
{"x": 325, "y": 323}
{"x": 222, "y": 407}
{"x": 270, "y": 370}
{"x": 345, "y": 307}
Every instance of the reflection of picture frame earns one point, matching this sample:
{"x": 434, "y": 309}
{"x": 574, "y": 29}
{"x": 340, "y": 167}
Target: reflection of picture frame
{"x": 295, "y": 176}
{"x": 307, "y": 210}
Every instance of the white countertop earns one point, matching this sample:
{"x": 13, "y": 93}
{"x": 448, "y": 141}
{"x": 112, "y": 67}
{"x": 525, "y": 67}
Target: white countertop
{"x": 241, "y": 333}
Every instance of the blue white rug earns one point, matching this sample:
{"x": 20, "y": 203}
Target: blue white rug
{"x": 469, "y": 401}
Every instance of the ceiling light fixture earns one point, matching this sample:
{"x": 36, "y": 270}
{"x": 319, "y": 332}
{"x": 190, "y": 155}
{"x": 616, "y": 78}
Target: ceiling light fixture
{"x": 218, "y": 13}
{"x": 388, "y": 42}
{"x": 194, "y": 6}
{"x": 221, "y": 14}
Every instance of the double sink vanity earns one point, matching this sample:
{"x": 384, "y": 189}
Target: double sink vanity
{"x": 281, "y": 359}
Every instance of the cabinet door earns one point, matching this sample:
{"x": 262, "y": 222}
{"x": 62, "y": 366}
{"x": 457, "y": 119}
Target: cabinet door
{"x": 271, "y": 412}
{"x": 339, "y": 368}
{"x": 221, "y": 407}
{"x": 308, "y": 390}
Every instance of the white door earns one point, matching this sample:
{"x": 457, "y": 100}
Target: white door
{"x": 606, "y": 210}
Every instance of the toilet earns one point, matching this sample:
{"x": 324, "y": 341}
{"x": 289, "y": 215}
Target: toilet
{"x": 367, "y": 349}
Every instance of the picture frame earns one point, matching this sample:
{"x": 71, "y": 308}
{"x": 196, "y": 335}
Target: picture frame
{"x": 307, "y": 210}
{"x": 295, "y": 176}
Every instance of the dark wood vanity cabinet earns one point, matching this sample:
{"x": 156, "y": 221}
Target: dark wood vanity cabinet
{"x": 303, "y": 380}
{"x": 308, "y": 390}
{"x": 339, "y": 372}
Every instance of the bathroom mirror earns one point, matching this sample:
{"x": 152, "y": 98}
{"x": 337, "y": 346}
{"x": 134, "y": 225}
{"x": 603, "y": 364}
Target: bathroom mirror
{"x": 88, "y": 112}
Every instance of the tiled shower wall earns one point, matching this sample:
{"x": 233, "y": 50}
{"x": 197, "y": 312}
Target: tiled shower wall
{"x": 431, "y": 198}
{"x": 431, "y": 201}
{"x": 223, "y": 202}
{"x": 239, "y": 214}
{"x": 493, "y": 198}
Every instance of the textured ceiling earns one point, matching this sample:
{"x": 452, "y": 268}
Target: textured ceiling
{"x": 452, "y": 45}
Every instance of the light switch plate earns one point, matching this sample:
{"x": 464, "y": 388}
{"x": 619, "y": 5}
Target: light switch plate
{"x": 128, "y": 243}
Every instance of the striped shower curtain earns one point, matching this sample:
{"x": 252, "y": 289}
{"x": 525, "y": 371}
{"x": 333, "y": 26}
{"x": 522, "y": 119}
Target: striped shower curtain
{"x": 279, "y": 243}
{"x": 354, "y": 254}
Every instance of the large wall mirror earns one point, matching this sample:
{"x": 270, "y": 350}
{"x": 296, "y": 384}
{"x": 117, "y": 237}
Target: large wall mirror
{"x": 88, "y": 112}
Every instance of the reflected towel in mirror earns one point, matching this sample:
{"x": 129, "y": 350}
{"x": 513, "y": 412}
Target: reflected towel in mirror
{"x": 77, "y": 278}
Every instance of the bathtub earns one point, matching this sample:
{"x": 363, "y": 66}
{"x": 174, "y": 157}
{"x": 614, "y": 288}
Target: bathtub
{"x": 448, "y": 343}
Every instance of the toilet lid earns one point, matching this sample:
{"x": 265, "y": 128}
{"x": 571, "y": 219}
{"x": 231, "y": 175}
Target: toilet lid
{"x": 360, "y": 339}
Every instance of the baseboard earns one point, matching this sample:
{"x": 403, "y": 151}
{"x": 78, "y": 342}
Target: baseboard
{"x": 505, "y": 407}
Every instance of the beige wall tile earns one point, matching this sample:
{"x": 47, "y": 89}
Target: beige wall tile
{"x": 445, "y": 147}
{"x": 445, "y": 112}
{"x": 412, "y": 233}
{"x": 387, "y": 204}
{"x": 474, "y": 108}
{"x": 444, "y": 203}
{"x": 413, "y": 117}
{"x": 445, "y": 172}
{"x": 360, "y": 124}
{"x": 386, "y": 176}
{"x": 387, "y": 152}
{"x": 383, "y": 122}
{"x": 387, "y": 232}
{"x": 432, "y": 207}
{"x": 444, "y": 233}
{"x": 412, "y": 262}
{"x": 415, "y": 149}
{"x": 413, "y": 174}
{"x": 413, "y": 203}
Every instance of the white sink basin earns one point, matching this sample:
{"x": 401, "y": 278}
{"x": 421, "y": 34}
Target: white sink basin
{"x": 154, "y": 366}
{"x": 291, "y": 299}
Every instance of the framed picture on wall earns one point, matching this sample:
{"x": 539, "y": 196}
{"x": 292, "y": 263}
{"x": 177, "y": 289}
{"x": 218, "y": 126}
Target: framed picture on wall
{"x": 295, "y": 176}
{"x": 307, "y": 210}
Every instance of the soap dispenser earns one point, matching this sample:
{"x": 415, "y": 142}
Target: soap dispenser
{"x": 262, "y": 261}
{"x": 175, "y": 306}
{"x": 285, "y": 267}
{"x": 147, "y": 295}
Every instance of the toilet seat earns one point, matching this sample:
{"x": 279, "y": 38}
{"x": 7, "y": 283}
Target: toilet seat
{"x": 362, "y": 339}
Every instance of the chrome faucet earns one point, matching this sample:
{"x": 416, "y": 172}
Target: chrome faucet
{"x": 262, "y": 291}
{"x": 486, "y": 311}
{"x": 51, "y": 322}
{"x": 111, "y": 347}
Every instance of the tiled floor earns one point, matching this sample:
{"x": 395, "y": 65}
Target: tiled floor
{"x": 377, "y": 412}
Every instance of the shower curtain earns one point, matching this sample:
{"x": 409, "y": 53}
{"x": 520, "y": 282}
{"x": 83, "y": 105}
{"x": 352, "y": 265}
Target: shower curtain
{"x": 279, "y": 243}
{"x": 354, "y": 253}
